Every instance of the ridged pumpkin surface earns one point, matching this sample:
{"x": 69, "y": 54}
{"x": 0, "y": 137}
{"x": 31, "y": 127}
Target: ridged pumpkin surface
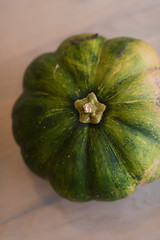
{"x": 84, "y": 161}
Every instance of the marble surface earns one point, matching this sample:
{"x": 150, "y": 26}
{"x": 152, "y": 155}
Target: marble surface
{"x": 29, "y": 208}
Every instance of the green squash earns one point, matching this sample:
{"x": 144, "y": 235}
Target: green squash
{"x": 88, "y": 120}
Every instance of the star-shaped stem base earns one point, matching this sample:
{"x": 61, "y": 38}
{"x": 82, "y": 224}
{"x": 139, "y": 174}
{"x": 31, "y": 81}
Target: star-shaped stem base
{"x": 90, "y": 110}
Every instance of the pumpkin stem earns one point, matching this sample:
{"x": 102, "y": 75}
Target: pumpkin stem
{"x": 90, "y": 110}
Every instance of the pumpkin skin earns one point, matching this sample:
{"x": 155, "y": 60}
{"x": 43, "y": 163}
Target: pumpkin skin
{"x": 84, "y": 161}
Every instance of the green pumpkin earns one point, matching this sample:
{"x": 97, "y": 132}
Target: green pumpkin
{"x": 88, "y": 120}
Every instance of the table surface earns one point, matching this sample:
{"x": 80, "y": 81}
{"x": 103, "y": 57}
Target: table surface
{"x": 29, "y": 208}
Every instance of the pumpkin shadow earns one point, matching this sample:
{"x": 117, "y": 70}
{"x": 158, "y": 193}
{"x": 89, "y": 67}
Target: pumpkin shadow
{"x": 94, "y": 219}
{"x": 102, "y": 215}
{"x": 103, "y": 218}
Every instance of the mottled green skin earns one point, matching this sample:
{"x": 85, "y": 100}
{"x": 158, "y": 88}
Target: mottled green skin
{"x": 105, "y": 161}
